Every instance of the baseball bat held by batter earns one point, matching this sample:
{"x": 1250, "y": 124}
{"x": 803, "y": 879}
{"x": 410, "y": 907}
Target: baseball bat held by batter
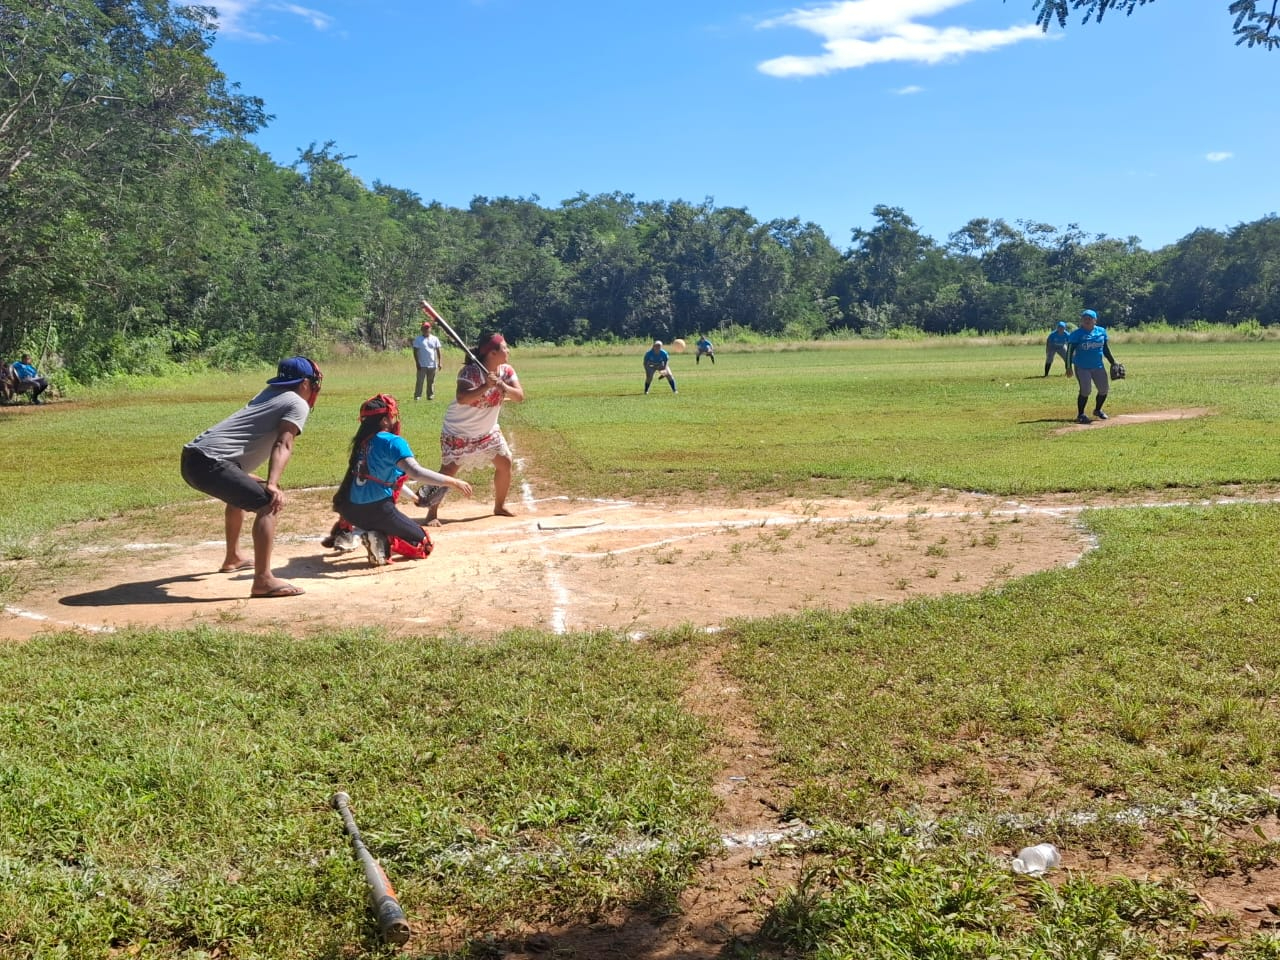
{"x": 434, "y": 314}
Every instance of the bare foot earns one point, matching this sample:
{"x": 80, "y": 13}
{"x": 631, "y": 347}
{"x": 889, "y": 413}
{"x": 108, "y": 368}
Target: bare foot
{"x": 431, "y": 522}
{"x": 234, "y": 564}
{"x": 502, "y": 512}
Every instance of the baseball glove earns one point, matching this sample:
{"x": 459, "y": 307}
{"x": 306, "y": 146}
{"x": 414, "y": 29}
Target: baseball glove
{"x": 430, "y": 495}
{"x": 1117, "y": 371}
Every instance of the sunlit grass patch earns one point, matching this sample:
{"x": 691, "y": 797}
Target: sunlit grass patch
{"x": 174, "y": 787}
{"x": 1147, "y": 672}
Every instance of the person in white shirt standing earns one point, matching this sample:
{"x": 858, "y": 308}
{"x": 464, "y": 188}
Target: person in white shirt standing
{"x": 427, "y": 355}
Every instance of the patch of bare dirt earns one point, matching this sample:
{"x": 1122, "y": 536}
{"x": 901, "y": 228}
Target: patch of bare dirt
{"x": 1128, "y": 419}
{"x": 561, "y": 565}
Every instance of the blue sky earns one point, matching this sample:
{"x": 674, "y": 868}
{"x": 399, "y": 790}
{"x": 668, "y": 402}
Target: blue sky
{"x": 1150, "y": 125}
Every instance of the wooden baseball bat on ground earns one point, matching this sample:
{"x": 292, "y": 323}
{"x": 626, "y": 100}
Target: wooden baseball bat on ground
{"x": 382, "y": 896}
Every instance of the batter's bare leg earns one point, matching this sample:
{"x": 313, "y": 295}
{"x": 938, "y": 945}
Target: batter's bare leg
{"x": 501, "y": 484}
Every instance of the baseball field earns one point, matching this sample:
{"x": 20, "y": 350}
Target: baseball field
{"x": 789, "y": 663}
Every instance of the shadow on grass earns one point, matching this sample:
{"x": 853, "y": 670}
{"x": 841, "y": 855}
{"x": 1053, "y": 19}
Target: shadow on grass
{"x": 640, "y": 936}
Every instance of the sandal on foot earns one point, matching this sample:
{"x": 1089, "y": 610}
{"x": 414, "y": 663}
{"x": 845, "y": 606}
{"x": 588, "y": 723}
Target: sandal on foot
{"x": 284, "y": 590}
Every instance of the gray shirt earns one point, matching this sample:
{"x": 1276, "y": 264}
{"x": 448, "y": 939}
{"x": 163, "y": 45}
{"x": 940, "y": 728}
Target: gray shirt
{"x": 247, "y": 436}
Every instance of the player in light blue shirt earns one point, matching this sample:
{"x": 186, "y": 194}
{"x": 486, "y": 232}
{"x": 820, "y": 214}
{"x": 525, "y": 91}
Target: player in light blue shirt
{"x": 656, "y": 361}
{"x": 379, "y": 463}
{"x": 1086, "y": 348}
{"x": 705, "y": 349}
{"x": 1055, "y": 345}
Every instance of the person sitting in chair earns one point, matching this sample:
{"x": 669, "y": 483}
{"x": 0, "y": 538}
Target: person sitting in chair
{"x": 29, "y": 379}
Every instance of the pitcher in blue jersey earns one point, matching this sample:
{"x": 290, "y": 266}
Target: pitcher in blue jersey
{"x": 1086, "y": 348}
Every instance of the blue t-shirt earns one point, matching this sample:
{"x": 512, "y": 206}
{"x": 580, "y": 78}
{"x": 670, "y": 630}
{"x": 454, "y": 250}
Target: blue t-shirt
{"x": 25, "y": 371}
{"x": 656, "y": 358}
{"x": 1089, "y": 346}
{"x": 381, "y": 454}
{"x": 1058, "y": 338}
{"x": 704, "y": 345}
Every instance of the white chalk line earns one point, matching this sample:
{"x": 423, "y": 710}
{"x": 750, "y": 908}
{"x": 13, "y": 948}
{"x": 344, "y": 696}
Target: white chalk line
{"x": 700, "y": 528}
{"x": 490, "y": 855}
{"x": 556, "y": 589}
{"x": 43, "y": 618}
{"x": 1213, "y": 802}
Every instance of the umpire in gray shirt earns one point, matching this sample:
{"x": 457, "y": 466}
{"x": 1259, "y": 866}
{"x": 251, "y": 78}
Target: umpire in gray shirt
{"x": 221, "y": 461}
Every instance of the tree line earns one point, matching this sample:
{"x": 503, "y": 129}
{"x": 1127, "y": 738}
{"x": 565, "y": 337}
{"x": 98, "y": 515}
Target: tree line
{"x": 139, "y": 227}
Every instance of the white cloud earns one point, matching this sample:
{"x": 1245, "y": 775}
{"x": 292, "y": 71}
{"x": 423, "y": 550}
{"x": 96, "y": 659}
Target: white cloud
{"x": 321, "y": 21}
{"x": 236, "y": 16}
{"x": 856, "y": 33}
{"x": 1218, "y": 156}
{"x": 908, "y": 90}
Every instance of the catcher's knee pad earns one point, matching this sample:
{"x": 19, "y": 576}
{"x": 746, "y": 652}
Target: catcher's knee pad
{"x": 411, "y": 551}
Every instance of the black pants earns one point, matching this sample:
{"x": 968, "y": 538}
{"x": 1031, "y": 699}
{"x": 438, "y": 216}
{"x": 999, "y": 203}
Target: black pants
{"x": 384, "y": 517}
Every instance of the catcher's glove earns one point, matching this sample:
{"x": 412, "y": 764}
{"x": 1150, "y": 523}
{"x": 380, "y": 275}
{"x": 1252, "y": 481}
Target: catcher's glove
{"x": 430, "y": 495}
{"x": 1117, "y": 371}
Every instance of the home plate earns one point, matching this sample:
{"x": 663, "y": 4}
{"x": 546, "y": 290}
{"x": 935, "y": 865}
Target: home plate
{"x": 567, "y": 523}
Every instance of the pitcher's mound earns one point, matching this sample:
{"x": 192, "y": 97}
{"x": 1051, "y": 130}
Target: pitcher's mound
{"x": 1151, "y": 416}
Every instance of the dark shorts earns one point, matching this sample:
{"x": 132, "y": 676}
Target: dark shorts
{"x": 223, "y": 480}
{"x": 383, "y": 517}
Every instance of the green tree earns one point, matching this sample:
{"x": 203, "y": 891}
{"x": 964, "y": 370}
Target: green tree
{"x": 97, "y": 98}
{"x": 1189, "y": 283}
{"x": 878, "y": 264}
{"x": 1253, "y": 26}
{"x": 1251, "y": 280}
{"x": 1120, "y": 281}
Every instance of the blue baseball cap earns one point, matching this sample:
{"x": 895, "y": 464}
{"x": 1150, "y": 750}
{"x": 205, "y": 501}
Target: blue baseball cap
{"x": 1062, "y": 323}
{"x": 1088, "y": 313}
{"x": 292, "y": 371}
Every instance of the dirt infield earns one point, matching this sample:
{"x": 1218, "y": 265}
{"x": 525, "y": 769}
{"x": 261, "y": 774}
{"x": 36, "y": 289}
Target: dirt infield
{"x": 560, "y": 565}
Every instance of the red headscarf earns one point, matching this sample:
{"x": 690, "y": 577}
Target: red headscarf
{"x": 383, "y": 405}
{"x": 487, "y": 346}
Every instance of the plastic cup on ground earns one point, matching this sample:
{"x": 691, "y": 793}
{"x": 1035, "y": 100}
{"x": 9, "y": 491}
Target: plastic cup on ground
{"x": 1037, "y": 860}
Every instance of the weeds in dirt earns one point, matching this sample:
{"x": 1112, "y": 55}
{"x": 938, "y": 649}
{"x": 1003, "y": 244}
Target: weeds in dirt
{"x": 890, "y": 896}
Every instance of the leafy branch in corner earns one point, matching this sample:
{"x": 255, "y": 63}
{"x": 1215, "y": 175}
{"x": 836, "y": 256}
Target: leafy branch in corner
{"x": 1253, "y": 27}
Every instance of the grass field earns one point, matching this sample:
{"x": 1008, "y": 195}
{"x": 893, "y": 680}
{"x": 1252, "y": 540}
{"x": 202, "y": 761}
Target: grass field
{"x": 165, "y": 794}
